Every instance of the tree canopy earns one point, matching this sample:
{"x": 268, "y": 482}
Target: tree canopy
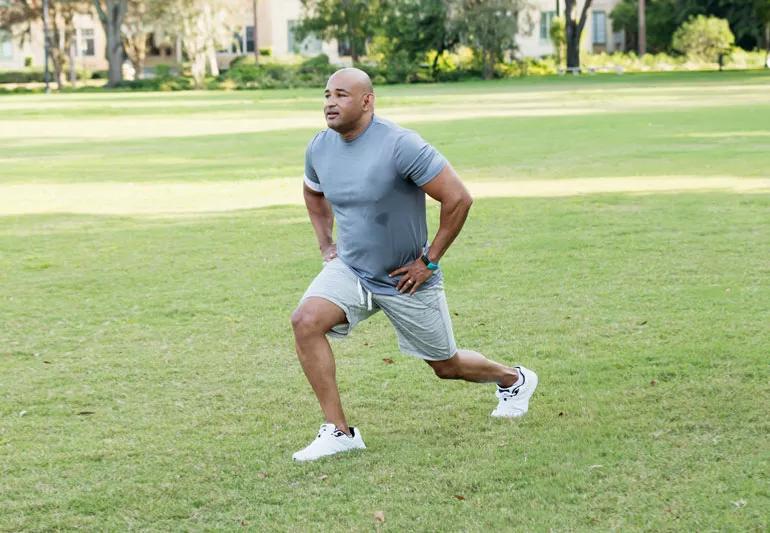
{"x": 748, "y": 20}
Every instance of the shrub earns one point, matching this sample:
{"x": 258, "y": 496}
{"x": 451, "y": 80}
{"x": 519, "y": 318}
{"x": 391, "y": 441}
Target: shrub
{"x": 23, "y": 76}
{"x": 455, "y": 66}
{"x": 158, "y": 84}
{"x": 162, "y": 71}
{"x": 630, "y": 62}
{"x": 704, "y": 38}
{"x": 248, "y": 75}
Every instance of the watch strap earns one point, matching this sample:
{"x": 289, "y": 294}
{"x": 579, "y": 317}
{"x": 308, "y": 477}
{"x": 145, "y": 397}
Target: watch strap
{"x": 428, "y": 263}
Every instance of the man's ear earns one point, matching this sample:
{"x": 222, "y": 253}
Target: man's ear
{"x": 368, "y": 101}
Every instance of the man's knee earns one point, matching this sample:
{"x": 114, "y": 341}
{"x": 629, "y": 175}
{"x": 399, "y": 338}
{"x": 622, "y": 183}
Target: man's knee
{"x": 306, "y": 321}
{"x": 445, "y": 369}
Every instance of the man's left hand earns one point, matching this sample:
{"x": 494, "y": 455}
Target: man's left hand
{"x": 412, "y": 275}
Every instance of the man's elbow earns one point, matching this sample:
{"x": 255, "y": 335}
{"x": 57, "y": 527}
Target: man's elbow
{"x": 465, "y": 201}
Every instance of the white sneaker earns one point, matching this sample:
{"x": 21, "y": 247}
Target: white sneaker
{"x": 514, "y": 401}
{"x": 329, "y": 441}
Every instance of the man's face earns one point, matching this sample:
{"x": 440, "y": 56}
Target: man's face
{"x": 344, "y": 103}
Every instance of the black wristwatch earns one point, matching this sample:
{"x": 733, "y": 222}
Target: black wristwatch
{"x": 428, "y": 263}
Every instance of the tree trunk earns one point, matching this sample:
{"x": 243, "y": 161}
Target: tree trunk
{"x": 256, "y": 41}
{"x": 489, "y": 71}
{"x": 73, "y": 69}
{"x": 55, "y": 44}
{"x": 198, "y": 69}
{"x": 642, "y": 28}
{"x": 58, "y": 73}
{"x": 211, "y": 52}
{"x": 573, "y": 48}
{"x": 135, "y": 46}
{"x": 111, "y": 16}
{"x": 574, "y": 28}
{"x": 767, "y": 44}
{"x": 351, "y": 33}
{"x": 353, "y": 49}
{"x": 434, "y": 66}
{"x": 69, "y": 45}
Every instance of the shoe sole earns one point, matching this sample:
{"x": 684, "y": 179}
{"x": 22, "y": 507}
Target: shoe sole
{"x": 309, "y": 459}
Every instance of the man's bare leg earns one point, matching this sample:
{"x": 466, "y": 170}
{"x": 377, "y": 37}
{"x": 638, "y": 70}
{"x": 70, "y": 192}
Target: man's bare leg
{"x": 472, "y": 366}
{"x": 311, "y": 321}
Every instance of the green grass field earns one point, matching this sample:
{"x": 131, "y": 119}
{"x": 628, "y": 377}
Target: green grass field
{"x": 147, "y": 373}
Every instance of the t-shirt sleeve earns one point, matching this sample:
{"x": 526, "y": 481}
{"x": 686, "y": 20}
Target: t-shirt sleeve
{"x": 417, "y": 160}
{"x": 311, "y": 178}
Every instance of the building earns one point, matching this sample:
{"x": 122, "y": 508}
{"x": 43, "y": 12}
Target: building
{"x": 276, "y": 20}
{"x": 90, "y": 44}
{"x": 534, "y": 38}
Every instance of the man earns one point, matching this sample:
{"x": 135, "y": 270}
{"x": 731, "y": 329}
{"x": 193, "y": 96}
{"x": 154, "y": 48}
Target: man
{"x": 372, "y": 176}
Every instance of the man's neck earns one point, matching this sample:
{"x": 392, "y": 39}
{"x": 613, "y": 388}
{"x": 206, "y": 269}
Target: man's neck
{"x": 359, "y": 129}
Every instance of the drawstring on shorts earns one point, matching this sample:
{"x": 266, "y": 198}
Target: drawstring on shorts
{"x": 367, "y": 299}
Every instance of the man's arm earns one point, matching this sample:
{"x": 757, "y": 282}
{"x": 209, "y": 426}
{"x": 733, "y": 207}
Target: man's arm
{"x": 322, "y": 219}
{"x": 455, "y": 201}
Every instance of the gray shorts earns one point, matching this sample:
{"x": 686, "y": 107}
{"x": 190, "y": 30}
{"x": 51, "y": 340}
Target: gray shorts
{"x": 421, "y": 321}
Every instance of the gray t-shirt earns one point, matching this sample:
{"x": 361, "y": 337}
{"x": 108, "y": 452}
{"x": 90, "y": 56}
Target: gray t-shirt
{"x": 373, "y": 184}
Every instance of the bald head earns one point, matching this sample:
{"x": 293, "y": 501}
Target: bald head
{"x": 354, "y": 78}
{"x": 349, "y": 101}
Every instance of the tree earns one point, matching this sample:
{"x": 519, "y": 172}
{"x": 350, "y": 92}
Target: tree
{"x": 642, "y": 27}
{"x": 662, "y": 17}
{"x": 762, "y": 8}
{"x": 136, "y": 27}
{"x": 19, "y": 16}
{"x": 204, "y": 26}
{"x": 747, "y": 20}
{"x": 490, "y": 26}
{"x": 558, "y": 37}
{"x": 705, "y": 38}
{"x": 412, "y": 28}
{"x": 349, "y": 21}
{"x": 574, "y": 27}
{"x": 111, "y": 14}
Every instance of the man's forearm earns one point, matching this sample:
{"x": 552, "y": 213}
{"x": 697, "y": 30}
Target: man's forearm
{"x": 451, "y": 221}
{"x": 321, "y": 217}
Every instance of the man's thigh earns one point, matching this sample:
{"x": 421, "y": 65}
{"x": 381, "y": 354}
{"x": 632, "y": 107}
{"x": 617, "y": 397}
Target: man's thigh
{"x": 337, "y": 284}
{"x": 422, "y": 323}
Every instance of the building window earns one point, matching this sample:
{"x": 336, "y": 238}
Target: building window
{"x": 86, "y": 43}
{"x": 599, "y": 19}
{"x": 293, "y": 45}
{"x": 546, "y": 18}
{"x": 6, "y": 45}
{"x": 249, "y": 44}
{"x": 343, "y": 48}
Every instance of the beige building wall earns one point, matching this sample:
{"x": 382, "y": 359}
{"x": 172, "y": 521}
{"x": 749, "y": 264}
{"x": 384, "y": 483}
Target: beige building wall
{"x": 90, "y": 49}
{"x": 274, "y": 21}
{"x": 13, "y": 54}
{"x": 533, "y": 39}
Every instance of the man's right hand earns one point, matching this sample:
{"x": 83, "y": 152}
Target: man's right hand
{"x": 329, "y": 252}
